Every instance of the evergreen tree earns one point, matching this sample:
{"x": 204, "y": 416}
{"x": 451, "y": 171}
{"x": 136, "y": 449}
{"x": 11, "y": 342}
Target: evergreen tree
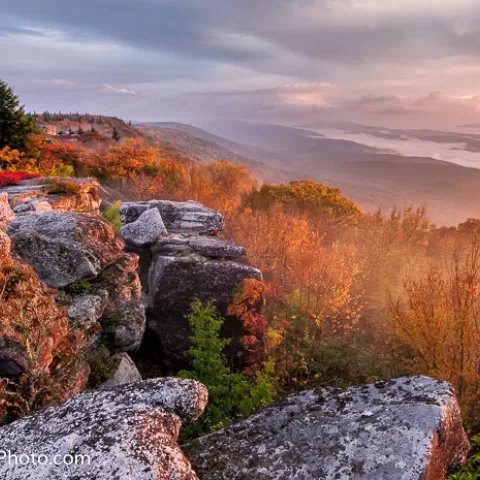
{"x": 230, "y": 395}
{"x": 115, "y": 134}
{"x": 15, "y": 125}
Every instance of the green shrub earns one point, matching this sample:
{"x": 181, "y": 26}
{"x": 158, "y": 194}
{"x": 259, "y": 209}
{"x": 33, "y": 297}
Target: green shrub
{"x": 102, "y": 367}
{"x": 471, "y": 471}
{"x": 78, "y": 287}
{"x": 231, "y": 395}
{"x": 115, "y": 319}
{"x": 112, "y": 215}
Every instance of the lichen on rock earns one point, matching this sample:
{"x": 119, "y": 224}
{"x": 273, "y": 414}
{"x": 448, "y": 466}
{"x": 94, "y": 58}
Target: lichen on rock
{"x": 125, "y": 433}
{"x": 403, "y": 429}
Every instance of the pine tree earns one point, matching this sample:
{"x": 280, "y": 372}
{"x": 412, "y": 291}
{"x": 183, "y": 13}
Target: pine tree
{"x": 15, "y": 125}
{"x": 115, "y": 135}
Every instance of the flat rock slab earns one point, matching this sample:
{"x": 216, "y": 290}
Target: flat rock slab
{"x": 126, "y": 433}
{"x": 404, "y": 429}
{"x": 208, "y": 246}
{"x": 178, "y": 217}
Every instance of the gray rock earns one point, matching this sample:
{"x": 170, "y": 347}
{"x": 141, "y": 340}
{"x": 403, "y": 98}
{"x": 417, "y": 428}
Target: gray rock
{"x": 190, "y": 217}
{"x": 205, "y": 245}
{"x": 215, "y": 247}
{"x": 123, "y": 330}
{"x": 13, "y": 361}
{"x": 178, "y": 217}
{"x": 124, "y": 319}
{"x": 125, "y": 373}
{"x": 144, "y": 231}
{"x": 65, "y": 247}
{"x": 126, "y": 433}
{"x": 405, "y": 429}
{"x": 6, "y": 214}
{"x": 174, "y": 282}
{"x": 35, "y": 205}
{"x": 87, "y": 308}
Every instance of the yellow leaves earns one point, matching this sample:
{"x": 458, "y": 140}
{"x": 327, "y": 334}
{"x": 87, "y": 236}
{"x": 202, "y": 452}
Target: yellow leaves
{"x": 14, "y": 161}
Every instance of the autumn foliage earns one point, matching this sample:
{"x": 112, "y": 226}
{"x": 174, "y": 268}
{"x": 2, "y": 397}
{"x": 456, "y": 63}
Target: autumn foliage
{"x": 14, "y": 178}
{"x": 346, "y": 297}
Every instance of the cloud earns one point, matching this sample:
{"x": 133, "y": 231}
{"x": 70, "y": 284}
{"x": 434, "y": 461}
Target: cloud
{"x": 111, "y": 89}
{"x": 269, "y": 57}
{"x": 433, "y": 103}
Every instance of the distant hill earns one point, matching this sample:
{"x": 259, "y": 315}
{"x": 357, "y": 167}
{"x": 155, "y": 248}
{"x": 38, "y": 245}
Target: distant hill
{"x": 206, "y": 147}
{"x": 101, "y": 123}
{"x": 369, "y": 176}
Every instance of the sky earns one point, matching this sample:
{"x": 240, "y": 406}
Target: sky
{"x": 399, "y": 63}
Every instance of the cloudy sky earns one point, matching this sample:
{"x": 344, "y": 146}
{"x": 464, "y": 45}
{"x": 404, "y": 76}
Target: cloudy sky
{"x": 384, "y": 62}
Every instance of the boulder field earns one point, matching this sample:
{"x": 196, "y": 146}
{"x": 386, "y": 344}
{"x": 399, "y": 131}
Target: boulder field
{"x": 405, "y": 429}
{"x": 181, "y": 259}
{"x": 96, "y": 289}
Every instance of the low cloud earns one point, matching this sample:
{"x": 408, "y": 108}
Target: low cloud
{"x": 121, "y": 90}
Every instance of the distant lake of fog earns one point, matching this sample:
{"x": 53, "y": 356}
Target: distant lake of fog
{"x": 409, "y": 147}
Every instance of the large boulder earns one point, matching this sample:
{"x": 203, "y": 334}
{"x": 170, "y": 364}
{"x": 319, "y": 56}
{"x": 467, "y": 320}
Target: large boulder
{"x": 65, "y": 247}
{"x": 125, "y": 372}
{"x": 404, "y": 429}
{"x": 144, "y": 231}
{"x": 178, "y": 217}
{"x": 173, "y": 284}
{"x": 126, "y": 433}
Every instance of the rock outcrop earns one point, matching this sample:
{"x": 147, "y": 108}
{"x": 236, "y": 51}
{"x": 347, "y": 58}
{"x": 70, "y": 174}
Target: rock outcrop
{"x": 174, "y": 282}
{"x": 39, "y": 195}
{"x": 404, "y": 429}
{"x": 126, "y": 433}
{"x": 81, "y": 255}
{"x": 178, "y": 217}
{"x": 65, "y": 247}
{"x": 35, "y": 337}
{"x": 146, "y": 230}
{"x": 180, "y": 260}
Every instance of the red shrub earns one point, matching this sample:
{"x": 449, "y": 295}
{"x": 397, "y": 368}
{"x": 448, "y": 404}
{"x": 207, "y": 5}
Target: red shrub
{"x": 14, "y": 178}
